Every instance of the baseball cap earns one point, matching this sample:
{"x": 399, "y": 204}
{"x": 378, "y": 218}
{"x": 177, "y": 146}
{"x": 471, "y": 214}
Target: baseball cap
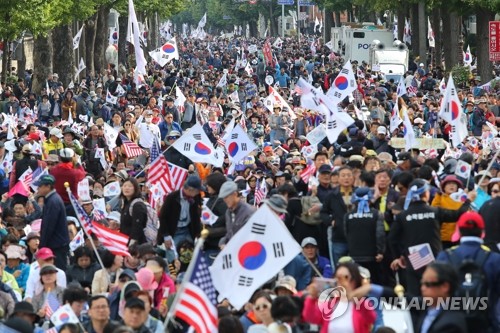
{"x": 45, "y": 253}
{"x": 33, "y": 136}
{"x": 135, "y": 302}
{"x": 470, "y": 220}
{"x": 47, "y": 269}
{"x": 308, "y": 241}
{"x": 382, "y": 130}
{"x": 325, "y": 168}
{"x": 66, "y": 153}
{"x": 288, "y": 282}
{"x": 27, "y": 148}
{"x": 56, "y": 132}
{"x": 194, "y": 182}
{"x": 404, "y": 156}
{"x": 227, "y": 188}
{"x": 45, "y": 180}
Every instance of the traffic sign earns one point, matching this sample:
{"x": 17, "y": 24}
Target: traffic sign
{"x": 286, "y": 2}
{"x": 306, "y": 3}
{"x": 494, "y": 40}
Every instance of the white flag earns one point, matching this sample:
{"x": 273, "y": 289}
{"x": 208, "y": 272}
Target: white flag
{"x": 463, "y": 169}
{"x": 467, "y": 57}
{"x": 249, "y": 69}
{"x": 113, "y": 36}
{"x": 165, "y": 53}
{"x": 329, "y": 45}
{"x": 64, "y": 315}
{"x": 110, "y": 134}
{"x": 234, "y": 97}
{"x": 451, "y": 111}
{"x": 344, "y": 84}
{"x": 120, "y": 91}
{"x": 112, "y": 189}
{"x": 284, "y": 104}
{"x": 207, "y": 216}
{"x": 239, "y": 145}
{"x": 409, "y": 133}
{"x": 134, "y": 37}
{"x": 314, "y": 98}
{"x": 110, "y": 98}
{"x": 76, "y": 39}
{"x": 401, "y": 90}
{"x": 430, "y": 34}
{"x": 316, "y": 23}
{"x": 77, "y": 242}
{"x": 336, "y": 123}
{"x": 222, "y": 81}
{"x": 180, "y": 100}
{"x": 203, "y": 21}
{"x": 71, "y": 85}
{"x": 81, "y": 67}
{"x": 196, "y": 146}
{"x": 395, "y": 118}
{"x": 253, "y": 256}
{"x": 278, "y": 43}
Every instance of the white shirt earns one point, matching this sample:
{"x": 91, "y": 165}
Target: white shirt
{"x": 34, "y": 286}
{"x": 147, "y": 133}
{"x": 342, "y": 323}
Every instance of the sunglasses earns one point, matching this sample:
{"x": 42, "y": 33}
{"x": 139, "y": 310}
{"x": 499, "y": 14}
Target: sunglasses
{"x": 431, "y": 284}
{"x": 262, "y": 306}
{"x": 172, "y": 137}
{"x": 495, "y": 191}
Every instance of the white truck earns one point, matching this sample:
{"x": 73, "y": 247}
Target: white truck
{"x": 353, "y": 40}
{"x": 389, "y": 59}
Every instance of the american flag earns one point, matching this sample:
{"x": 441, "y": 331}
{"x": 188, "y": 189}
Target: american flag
{"x": 130, "y": 148}
{"x": 51, "y": 304}
{"x": 159, "y": 172}
{"x": 177, "y": 176}
{"x": 82, "y": 216}
{"x": 260, "y": 192}
{"x": 297, "y": 89}
{"x": 421, "y": 258}
{"x": 308, "y": 172}
{"x": 413, "y": 88}
{"x": 197, "y": 300}
{"x": 155, "y": 149}
{"x": 114, "y": 241}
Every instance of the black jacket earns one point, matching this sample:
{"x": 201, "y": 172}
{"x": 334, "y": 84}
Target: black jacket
{"x": 54, "y": 228}
{"x": 365, "y": 235}
{"x": 334, "y": 208}
{"x": 420, "y": 224}
{"x": 133, "y": 224}
{"x": 489, "y": 211}
{"x": 171, "y": 211}
{"x": 218, "y": 229}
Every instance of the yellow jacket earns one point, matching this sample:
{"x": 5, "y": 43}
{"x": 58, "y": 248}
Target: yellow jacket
{"x": 50, "y": 147}
{"x": 445, "y": 201}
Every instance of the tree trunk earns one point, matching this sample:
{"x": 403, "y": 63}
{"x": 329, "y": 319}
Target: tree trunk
{"x": 122, "y": 40}
{"x": 21, "y": 60}
{"x": 329, "y": 23}
{"x": 254, "y": 31}
{"x": 484, "y": 65}
{"x": 5, "y": 60}
{"x": 42, "y": 57}
{"x": 451, "y": 27}
{"x": 336, "y": 19}
{"x": 436, "y": 27}
{"x": 101, "y": 40}
{"x": 62, "y": 41}
{"x": 422, "y": 32}
{"x": 153, "y": 31}
{"x": 90, "y": 35}
{"x": 415, "y": 32}
{"x": 401, "y": 13}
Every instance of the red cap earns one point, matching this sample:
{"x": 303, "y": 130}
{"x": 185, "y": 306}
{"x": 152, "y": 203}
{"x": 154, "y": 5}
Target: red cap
{"x": 33, "y": 136}
{"x": 268, "y": 148}
{"x": 45, "y": 253}
{"x": 470, "y": 220}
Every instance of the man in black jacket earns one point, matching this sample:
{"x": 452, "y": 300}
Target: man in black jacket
{"x": 180, "y": 213}
{"x": 418, "y": 224}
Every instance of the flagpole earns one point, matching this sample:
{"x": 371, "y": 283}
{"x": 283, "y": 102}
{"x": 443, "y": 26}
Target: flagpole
{"x": 66, "y": 184}
{"x": 187, "y": 276}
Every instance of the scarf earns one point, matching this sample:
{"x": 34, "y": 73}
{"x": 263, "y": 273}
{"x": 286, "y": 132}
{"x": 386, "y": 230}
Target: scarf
{"x": 363, "y": 203}
{"x": 414, "y": 194}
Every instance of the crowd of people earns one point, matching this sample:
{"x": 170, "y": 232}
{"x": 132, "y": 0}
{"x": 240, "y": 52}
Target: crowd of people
{"x": 356, "y": 206}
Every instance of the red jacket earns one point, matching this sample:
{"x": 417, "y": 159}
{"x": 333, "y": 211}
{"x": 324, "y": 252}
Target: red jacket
{"x": 66, "y": 172}
{"x": 362, "y": 318}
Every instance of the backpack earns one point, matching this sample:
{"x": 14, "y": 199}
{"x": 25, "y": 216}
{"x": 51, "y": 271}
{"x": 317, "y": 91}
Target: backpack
{"x": 307, "y": 203}
{"x": 152, "y": 224}
{"x": 472, "y": 285}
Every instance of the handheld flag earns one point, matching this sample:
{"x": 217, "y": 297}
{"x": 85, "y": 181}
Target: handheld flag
{"x": 63, "y": 315}
{"x": 253, "y": 256}
{"x": 110, "y": 98}
{"x": 238, "y": 144}
{"x": 401, "y": 90}
{"x": 77, "y": 242}
{"x": 430, "y": 34}
{"x": 207, "y": 216}
{"x": 408, "y": 132}
{"x": 344, "y": 84}
{"x": 395, "y": 118}
{"x": 463, "y": 169}
{"x": 196, "y": 146}
{"x": 76, "y": 39}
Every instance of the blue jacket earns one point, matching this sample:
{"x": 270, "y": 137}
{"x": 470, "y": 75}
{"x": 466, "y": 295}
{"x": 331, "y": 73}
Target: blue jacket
{"x": 301, "y": 271}
{"x": 164, "y": 130}
{"x": 469, "y": 248}
{"x": 54, "y": 228}
{"x": 324, "y": 267}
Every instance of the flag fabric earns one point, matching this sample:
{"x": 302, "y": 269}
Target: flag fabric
{"x": 207, "y": 216}
{"x": 110, "y": 98}
{"x": 76, "y": 39}
{"x": 130, "y": 148}
{"x": 413, "y": 88}
{"x": 113, "y": 36}
{"x": 463, "y": 169}
{"x": 252, "y": 257}
{"x": 309, "y": 171}
{"x": 316, "y": 24}
{"x": 197, "y": 300}
{"x": 329, "y": 45}
{"x": 344, "y": 84}
{"x": 313, "y": 48}
{"x": 451, "y": 111}
{"x": 260, "y": 192}
{"x": 36, "y": 175}
{"x": 278, "y": 43}
{"x": 336, "y": 123}
{"x": 134, "y": 37}
{"x": 81, "y": 67}
{"x": 180, "y": 99}
{"x": 156, "y": 194}
{"x": 395, "y": 118}
{"x": 196, "y": 146}
{"x": 177, "y": 176}
{"x": 20, "y": 188}
{"x": 421, "y": 257}
{"x": 164, "y": 54}
{"x": 409, "y": 133}
{"x": 467, "y": 56}
{"x": 112, "y": 189}
{"x": 430, "y": 34}
{"x": 27, "y": 177}
{"x": 280, "y": 100}
{"x": 77, "y": 242}
{"x": 239, "y": 144}
{"x": 114, "y": 241}
{"x": 82, "y": 216}
{"x": 203, "y": 21}
{"x": 407, "y": 32}
{"x": 51, "y": 304}
{"x": 266, "y": 51}
{"x": 159, "y": 172}
{"x": 63, "y": 315}
{"x": 401, "y": 90}
{"x": 155, "y": 149}
{"x": 234, "y": 97}
{"x": 442, "y": 86}
{"x": 222, "y": 81}
{"x": 314, "y": 98}
{"x": 120, "y": 91}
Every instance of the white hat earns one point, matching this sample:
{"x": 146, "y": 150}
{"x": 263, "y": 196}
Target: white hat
{"x": 418, "y": 121}
{"x": 382, "y": 130}
{"x": 115, "y": 216}
{"x": 66, "y": 153}
{"x": 56, "y": 132}
{"x": 421, "y": 65}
